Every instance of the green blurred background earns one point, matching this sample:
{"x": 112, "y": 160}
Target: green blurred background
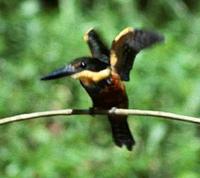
{"x": 37, "y": 36}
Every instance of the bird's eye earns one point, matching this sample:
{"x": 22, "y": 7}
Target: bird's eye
{"x": 83, "y": 64}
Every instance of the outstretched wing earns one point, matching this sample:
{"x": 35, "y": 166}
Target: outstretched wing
{"x": 97, "y": 47}
{"x": 126, "y": 46}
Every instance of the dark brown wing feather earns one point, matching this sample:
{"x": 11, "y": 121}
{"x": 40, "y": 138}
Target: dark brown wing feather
{"x": 97, "y": 47}
{"x": 126, "y": 46}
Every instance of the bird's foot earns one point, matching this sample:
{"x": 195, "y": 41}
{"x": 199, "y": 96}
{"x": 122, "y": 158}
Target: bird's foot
{"x": 112, "y": 110}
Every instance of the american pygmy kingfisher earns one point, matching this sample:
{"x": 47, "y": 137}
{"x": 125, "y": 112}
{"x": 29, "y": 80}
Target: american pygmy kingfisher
{"x": 102, "y": 75}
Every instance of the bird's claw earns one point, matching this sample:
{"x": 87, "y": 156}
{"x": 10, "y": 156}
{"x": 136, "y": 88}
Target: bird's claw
{"x": 113, "y": 109}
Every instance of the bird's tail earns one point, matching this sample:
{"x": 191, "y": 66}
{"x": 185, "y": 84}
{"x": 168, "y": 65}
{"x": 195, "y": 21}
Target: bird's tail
{"x": 121, "y": 132}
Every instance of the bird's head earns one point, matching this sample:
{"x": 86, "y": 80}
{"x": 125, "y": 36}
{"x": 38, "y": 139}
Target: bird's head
{"x": 79, "y": 68}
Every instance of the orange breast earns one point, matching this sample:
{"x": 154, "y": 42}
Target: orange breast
{"x": 113, "y": 95}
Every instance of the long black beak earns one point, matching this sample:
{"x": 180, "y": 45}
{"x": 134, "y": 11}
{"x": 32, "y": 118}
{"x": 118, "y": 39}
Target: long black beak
{"x": 62, "y": 72}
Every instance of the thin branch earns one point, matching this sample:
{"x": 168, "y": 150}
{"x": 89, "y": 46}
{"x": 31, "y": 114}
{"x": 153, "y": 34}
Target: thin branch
{"x": 164, "y": 115}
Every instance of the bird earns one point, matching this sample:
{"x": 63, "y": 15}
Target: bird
{"x": 104, "y": 73}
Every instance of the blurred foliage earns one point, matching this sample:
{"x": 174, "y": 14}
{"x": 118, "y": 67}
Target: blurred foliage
{"x": 37, "y": 36}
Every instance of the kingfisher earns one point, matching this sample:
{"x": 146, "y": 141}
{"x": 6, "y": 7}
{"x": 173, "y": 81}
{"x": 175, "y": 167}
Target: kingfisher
{"x": 103, "y": 74}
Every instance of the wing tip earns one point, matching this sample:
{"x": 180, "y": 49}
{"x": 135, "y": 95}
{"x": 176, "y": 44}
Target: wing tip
{"x": 86, "y": 35}
{"x": 158, "y": 37}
